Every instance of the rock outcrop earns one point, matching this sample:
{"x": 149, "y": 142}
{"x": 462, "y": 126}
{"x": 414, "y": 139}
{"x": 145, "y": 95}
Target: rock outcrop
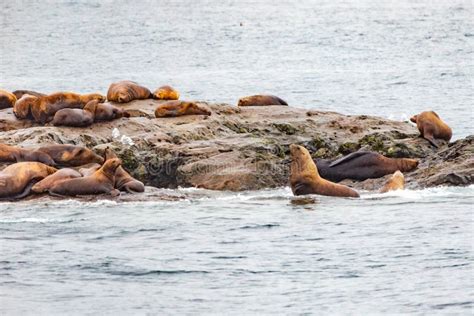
{"x": 246, "y": 148}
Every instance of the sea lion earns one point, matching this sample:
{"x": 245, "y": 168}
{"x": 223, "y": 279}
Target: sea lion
{"x": 126, "y": 91}
{"x": 17, "y": 154}
{"x": 7, "y": 99}
{"x": 305, "y": 179}
{"x": 179, "y": 108}
{"x": 166, "y": 93}
{"x": 20, "y": 93}
{"x": 16, "y": 180}
{"x": 123, "y": 180}
{"x": 431, "y": 127}
{"x": 76, "y": 117}
{"x": 22, "y": 107}
{"x": 60, "y": 175}
{"x": 70, "y": 155}
{"x": 362, "y": 165}
{"x": 101, "y": 182}
{"x": 261, "y": 100}
{"x": 42, "y": 109}
{"x": 109, "y": 112}
{"x": 396, "y": 182}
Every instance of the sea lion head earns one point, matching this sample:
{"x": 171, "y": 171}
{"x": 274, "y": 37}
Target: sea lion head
{"x": 301, "y": 161}
{"x": 109, "y": 154}
{"x": 414, "y": 118}
{"x": 194, "y": 108}
{"x": 94, "y": 96}
{"x": 91, "y": 106}
{"x": 110, "y": 166}
{"x": 23, "y": 107}
{"x": 408, "y": 164}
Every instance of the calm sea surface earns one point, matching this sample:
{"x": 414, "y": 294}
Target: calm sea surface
{"x": 254, "y": 252}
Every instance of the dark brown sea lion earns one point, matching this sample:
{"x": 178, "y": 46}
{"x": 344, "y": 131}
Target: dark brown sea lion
{"x": 70, "y": 155}
{"x": 431, "y": 127}
{"x": 126, "y": 91}
{"x": 123, "y": 180}
{"x": 17, "y": 154}
{"x": 19, "y": 93}
{"x": 76, "y": 117}
{"x": 261, "y": 100}
{"x": 305, "y": 179}
{"x": 179, "y": 108}
{"x": 396, "y": 182}
{"x": 362, "y": 165}
{"x": 7, "y": 99}
{"x": 166, "y": 93}
{"x": 101, "y": 182}
{"x": 42, "y": 109}
{"x": 60, "y": 175}
{"x": 109, "y": 112}
{"x": 16, "y": 180}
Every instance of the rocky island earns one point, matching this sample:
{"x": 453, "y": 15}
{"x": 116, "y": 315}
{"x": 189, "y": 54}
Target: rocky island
{"x": 247, "y": 148}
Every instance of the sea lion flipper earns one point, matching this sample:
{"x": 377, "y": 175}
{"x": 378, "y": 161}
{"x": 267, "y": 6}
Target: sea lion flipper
{"x": 432, "y": 141}
{"x": 348, "y": 158}
{"x": 302, "y": 188}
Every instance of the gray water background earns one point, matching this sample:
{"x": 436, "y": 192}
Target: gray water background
{"x": 254, "y": 252}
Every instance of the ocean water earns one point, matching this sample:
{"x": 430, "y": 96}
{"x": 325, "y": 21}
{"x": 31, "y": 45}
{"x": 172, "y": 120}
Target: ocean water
{"x": 261, "y": 252}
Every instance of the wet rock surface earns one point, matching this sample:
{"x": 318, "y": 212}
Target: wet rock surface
{"x": 247, "y": 148}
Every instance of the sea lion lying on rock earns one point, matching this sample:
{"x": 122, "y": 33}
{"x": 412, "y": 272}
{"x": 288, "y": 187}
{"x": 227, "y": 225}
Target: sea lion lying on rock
{"x": 60, "y": 175}
{"x": 179, "y": 108}
{"x": 70, "y": 155}
{"x": 20, "y": 93}
{"x": 17, "y": 154}
{"x": 43, "y": 109}
{"x": 396, "y": 182}
{"x": 261, "y": 100}
{"x": 100, "y": 182}
{"x": 305, "y": 179}
{"x": 166, "y": 93}
{"x": 16, "y": 180}
{"x": 7, "y": 99}
{"x": 76, "y": 117}
{"x": 362, "y": 165}
{"x": 108, "y": 112}
{"x": 123, "y": 180}
{"x": 126, "y": 91}
{"x": 431, "y": 127}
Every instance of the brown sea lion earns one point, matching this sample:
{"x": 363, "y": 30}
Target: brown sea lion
{"x": 126, "y": 91}
{"x": 362, "y": 165}
{"x": 109, "y": 112}
{"x": 305, "y": 179}
{"x": 396, "y": 182}
{"x": 70, "y": 155}
{"x": 166, "y": 93}
{"x": 261, "y": 100}
{"x": 18, "y": 154}
{"x": 123, "y": 180}
{"x": 22, "y": 107}
{"x": 60, "y": 175}
{"x": 7, "y": 99}
{"x": 76, "y": 117}
{"x": 19, "y": 93}
{"x": 101, "y": 182}
{"x": 431, "y": 127}
{"x": 42, "y": 109}
{"x": 16, "y": 180}
{"x": 179, "y": 108}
